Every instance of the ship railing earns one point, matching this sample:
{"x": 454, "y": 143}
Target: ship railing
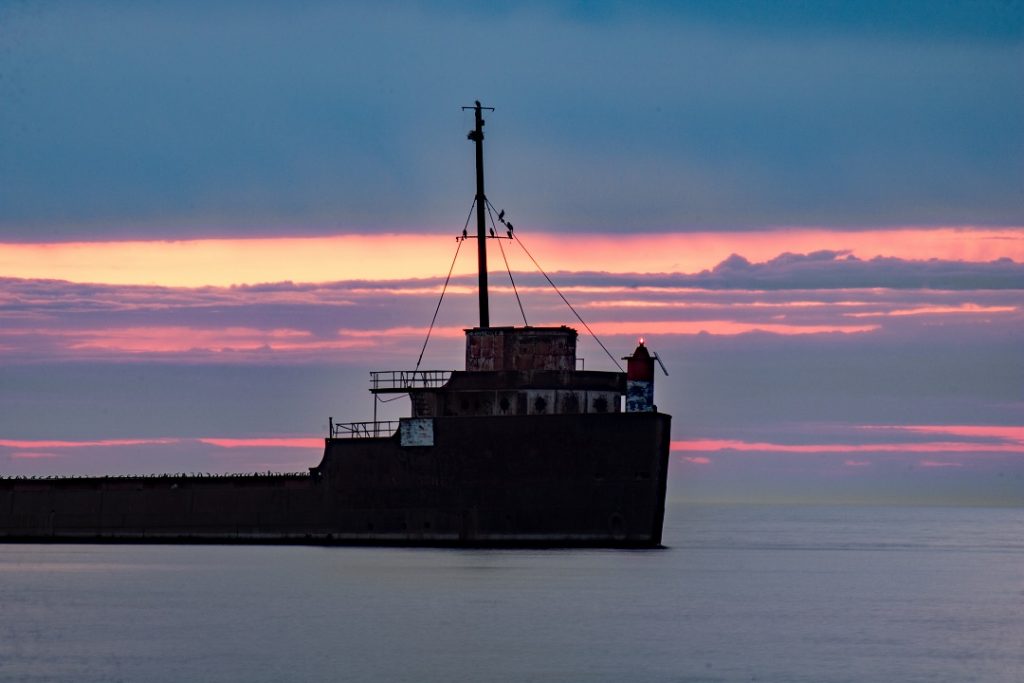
{"x": 402, "y": 380}
{"x": 363, "y": 430}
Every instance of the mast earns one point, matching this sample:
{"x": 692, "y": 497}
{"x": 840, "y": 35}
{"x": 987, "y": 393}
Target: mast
{"x": 477, "y": 136}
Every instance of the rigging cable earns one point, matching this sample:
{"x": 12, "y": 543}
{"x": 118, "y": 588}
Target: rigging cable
{"x": 505, "y": 258}
{"x": 443, "y": 290}
{"x": 555, "y": 287}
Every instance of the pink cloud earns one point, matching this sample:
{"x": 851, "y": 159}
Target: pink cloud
{"x": 176, "y": 339}
{"x": 712, "y": 445}
{"x": 720, "y": 327}
{"x": 33, "y": 444}
{"x": 934, "y": 463}
{"x": 857, "y": 463}
{"x": 271, "y": 442}
{"x": 225, "y": 344}
{"x": 224, "y": 442}
{"x": 1007, "y": 433}
{"x": 634, "y": 328}
{"x": 286, "y": 322}
{"x": 967, "y": 308}
{"x": 450, "y": 332}
{"x": 697, "y": 459}
{"x": 153, "y": 456}
{"x": 675, "y": 304}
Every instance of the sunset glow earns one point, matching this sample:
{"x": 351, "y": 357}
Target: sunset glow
{"x": 194, "y": 263}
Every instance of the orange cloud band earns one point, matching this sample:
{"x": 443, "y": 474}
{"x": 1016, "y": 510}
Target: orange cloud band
{"x": 194, "y": 263}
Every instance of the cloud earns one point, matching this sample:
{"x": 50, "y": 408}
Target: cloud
{"x": 820, "y": 293}
{"x": 837, "y": 437}
{"x": 663, "y": 328}
{"x": 978, "y": 441}
{"x": 227, "y": 262}
{"x": 266, "y": 442}
{"x": 837, "y": 269}
{"x": 715, "y": 445}
{"x": 928, "y": 368}
{"x": 944, "y": 258}
{"x": 154, "y": 456}
{"x": 1011, "y": 434}
{"x": 844, "y": 462}
{"x": 104, "y": 443}
{"x": 31, "y": 455}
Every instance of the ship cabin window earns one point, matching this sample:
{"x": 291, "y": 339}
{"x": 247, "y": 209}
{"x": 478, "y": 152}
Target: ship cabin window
{"x": 504, "y": 404}
{"x": 600, "y": 404}
{"x": 540, "y": 404}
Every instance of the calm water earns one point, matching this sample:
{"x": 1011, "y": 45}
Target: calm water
{"x": 743, "y": 594}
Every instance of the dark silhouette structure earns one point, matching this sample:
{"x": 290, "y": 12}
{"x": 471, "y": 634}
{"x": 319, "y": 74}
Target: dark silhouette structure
{"x": 517, "y": 449}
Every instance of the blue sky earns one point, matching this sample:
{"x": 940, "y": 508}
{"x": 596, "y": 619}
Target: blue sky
{"x": 187, "y": 118}
{"x": 813, "y": 211}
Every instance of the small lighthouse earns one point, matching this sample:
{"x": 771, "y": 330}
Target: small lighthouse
{"x": 640, "y": 381}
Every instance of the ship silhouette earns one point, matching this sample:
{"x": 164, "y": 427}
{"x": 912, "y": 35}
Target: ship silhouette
{"x": 519, "y": 449}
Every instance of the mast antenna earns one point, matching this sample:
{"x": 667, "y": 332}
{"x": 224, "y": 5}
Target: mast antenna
{"x": 477, "y": 136}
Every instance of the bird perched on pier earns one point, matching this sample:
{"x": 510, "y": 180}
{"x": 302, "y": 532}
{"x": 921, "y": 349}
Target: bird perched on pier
{"x": 464, "y": 234}
{"x": 501, "y": 215}
{"x": 510, "y": 229}
{"x": 492, "y": 231}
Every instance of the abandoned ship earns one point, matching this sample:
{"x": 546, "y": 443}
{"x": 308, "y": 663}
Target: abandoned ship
{"x": 519, "y": 449}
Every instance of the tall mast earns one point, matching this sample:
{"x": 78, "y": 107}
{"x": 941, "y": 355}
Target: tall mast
{"x": 477, "y": 136}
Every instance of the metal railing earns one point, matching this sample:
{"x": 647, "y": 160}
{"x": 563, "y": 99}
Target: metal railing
{"x": 362, "y": 430}
{"x": 392, "y": 380}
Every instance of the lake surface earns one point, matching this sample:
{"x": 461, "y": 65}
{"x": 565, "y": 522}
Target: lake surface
{"x": 743, "y": 593}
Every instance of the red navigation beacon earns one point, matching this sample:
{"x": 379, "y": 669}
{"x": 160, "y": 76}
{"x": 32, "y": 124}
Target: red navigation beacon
{"x": 640, "y": 381}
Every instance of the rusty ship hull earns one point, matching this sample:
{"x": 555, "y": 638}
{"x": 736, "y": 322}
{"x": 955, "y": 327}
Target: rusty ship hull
{"x": 578, "y": 480}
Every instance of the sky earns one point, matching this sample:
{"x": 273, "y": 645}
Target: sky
{"x": 216, "y": 218}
